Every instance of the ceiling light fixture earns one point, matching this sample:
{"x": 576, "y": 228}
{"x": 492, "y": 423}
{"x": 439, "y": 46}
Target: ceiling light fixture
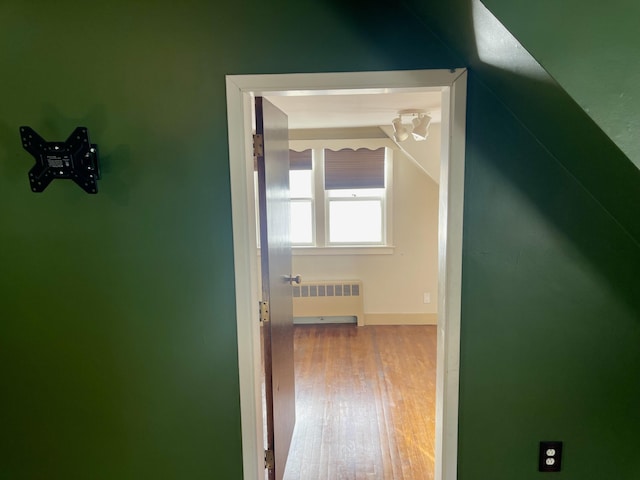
{"x": 420, "y": 129}
{"x": 400, "y": 132}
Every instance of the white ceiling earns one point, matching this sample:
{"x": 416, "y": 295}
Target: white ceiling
{"x": 354, "y": 110}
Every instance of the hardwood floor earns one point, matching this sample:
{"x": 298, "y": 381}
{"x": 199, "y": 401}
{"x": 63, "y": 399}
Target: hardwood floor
{"x": 365, "y": 402}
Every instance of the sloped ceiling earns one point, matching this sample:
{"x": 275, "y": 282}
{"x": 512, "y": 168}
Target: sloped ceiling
{"x": 590, "y": 48}
{"x": 498, "y": 60}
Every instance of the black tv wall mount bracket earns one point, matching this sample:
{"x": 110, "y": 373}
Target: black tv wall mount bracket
{"x": 75, "y": 159}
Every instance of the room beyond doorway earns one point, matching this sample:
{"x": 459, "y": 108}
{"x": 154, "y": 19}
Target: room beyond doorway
{"x": 354, "y": 425}
{"x": 239, "y": 91}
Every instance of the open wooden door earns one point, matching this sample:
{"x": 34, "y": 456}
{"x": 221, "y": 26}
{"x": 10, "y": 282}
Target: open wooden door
{"x": 272, "y": 154}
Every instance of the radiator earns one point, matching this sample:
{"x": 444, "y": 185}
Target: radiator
{"x": 329, "y": 298}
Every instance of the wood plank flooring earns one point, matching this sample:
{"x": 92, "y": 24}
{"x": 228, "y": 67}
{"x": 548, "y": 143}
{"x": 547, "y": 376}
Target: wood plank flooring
{"x": 365, "y": 403}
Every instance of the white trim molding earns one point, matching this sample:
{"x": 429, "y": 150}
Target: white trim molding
{"x": 240, "y": 90}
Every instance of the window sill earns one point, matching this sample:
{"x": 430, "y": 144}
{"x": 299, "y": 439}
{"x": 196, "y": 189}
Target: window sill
{"x": 344, "y": 250}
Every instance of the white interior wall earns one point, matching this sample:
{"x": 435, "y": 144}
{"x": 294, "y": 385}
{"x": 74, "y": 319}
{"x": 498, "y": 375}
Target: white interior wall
{"x": 393, "y": 283}
{"x": 425, "y": 153}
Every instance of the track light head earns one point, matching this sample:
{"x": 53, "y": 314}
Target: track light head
{"x": 400, "y": 132}
{"x": 421, "y": 127}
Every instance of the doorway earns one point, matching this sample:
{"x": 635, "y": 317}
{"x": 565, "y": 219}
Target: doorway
{"x": 240, "y": 90}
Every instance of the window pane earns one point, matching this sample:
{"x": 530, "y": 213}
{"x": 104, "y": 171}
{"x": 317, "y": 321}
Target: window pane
{"x": 300, "y": 183}
{"x": 301, "y": 160}
{"x": 301, "y": 222}
{"x": 358, "y": 221}
{"x": 348, "y": 168}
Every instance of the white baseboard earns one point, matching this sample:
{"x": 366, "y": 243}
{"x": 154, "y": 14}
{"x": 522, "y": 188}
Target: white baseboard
{"x": 400, "y": 318}
{"x": 322, "y": 320}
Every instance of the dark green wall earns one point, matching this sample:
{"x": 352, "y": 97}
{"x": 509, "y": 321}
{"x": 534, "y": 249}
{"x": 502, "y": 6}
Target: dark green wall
{"x": 550, "y": 312}
{"x": 526, "y": 89}
{"x": 591, "y": 48}
{"x": 117, "y": 330}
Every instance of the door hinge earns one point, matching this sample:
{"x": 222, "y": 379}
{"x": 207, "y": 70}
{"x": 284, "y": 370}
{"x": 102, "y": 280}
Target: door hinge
{"x": 258, "y": 146}
{"x": 264, "y": 312}
{"x": 269, "y": 460}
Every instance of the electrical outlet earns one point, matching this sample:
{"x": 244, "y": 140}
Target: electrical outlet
{"x": 550, "y": 458}
{"x": 426, "y": 297}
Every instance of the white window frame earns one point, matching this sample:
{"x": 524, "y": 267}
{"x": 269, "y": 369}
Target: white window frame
{"x": 321, "y": 245}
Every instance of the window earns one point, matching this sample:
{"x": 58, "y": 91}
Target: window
{"x": 354, "y": 184}
{"x": 340, "y": 197}
{"x": 355, "y": 216}
{"x": 301, "y": 193}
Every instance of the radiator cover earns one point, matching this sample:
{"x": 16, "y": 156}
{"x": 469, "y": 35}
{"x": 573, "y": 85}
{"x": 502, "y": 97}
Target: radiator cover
{"x": 329, "y": 298}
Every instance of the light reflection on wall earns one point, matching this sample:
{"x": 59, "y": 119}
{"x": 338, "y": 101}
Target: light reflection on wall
{"x": 496, "y": 46}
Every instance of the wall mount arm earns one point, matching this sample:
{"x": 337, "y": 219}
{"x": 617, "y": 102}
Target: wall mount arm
{"x": 75, "y": 159}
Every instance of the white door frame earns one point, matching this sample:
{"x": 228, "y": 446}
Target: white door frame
{"x": 240, "y": 90}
